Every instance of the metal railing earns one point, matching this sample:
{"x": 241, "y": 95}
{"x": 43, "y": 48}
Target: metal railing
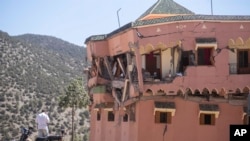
{"x": 234, "y": 69}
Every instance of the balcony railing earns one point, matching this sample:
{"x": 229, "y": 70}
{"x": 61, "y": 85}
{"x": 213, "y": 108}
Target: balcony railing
{"x": 234, "y": 69}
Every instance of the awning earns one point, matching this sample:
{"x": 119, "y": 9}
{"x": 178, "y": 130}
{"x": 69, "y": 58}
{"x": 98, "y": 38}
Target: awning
{"x": 165, "y": 107}
{"x": 209, "y": 109}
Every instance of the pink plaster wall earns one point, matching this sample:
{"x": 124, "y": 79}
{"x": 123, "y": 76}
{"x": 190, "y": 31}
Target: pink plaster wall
{"x": 97, "y": 48}
{"x": 185, "y": 123}
{"x": 105, "y": 130}
{"x": 119, "y": 43}
{"x": 184, "y": 126}
{"x": 189, "y": 30}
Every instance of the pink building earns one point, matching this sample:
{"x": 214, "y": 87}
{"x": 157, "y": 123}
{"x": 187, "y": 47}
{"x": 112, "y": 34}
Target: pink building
{"x": 171, "y": 75}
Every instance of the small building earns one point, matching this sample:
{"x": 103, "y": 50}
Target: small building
{"x": 171, "y": 75}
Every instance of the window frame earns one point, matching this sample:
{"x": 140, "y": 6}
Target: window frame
{"x": 197, "y": 58}
{"x": 203, "y": 119}
{"x": 242, "y": 58}
{"x": 160, "y": 115}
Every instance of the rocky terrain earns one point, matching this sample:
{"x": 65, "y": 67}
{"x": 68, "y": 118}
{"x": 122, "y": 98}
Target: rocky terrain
{"x": 34, "y": 70}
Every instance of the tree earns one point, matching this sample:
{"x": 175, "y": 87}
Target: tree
{"x": 74, "y": 97}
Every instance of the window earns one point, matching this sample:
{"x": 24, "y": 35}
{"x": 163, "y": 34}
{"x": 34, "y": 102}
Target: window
{"x": 243, "y": 58}
{"x": 125, "y": 118}
{"x": 207, "y": 119}
{"x": 204, "y": 56}
{"x": 205, "y": 48}
{"x": 153, "y": 63}
{"x": 111, "y": 116}
{"x": 208, "y": 113}
{"x": 163, "y": 117}
{"x": 98, "y": 116}
{"x": 164, "y": 111}
{"x": 243, "y": 61}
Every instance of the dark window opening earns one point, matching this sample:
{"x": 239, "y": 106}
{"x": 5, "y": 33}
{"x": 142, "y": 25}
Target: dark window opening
{"x": 163, "y": 117}
{"x": 98, "y": 116}
{"x": 207, "y": 119}
{"x": 125, "y": 118}
{"x": 153, "y": 64}
{"x": 187, "y": 59}
{"x": 243, "y": 59}
{"x": 111, "y": 116}
{"x": 204, "y": 56}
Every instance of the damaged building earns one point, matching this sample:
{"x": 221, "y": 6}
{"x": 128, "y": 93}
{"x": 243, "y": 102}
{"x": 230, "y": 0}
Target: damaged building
{"x": 170, "y": 75}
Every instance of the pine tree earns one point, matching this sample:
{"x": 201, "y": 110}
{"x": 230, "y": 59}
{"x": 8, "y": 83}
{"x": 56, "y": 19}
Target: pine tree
{"x": 74, "y": 97}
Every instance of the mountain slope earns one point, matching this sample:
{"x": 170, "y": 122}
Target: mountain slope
{"x": 33, "y": 72}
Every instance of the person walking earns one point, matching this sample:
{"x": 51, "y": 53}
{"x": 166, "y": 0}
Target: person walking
{"x": 42, "y": 121}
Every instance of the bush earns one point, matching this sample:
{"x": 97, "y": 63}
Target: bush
{"x": 2, "y": 98}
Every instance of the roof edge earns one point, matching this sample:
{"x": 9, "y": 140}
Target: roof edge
{"x": 192, "y": 18}
{"x": 104, "y": 36}
{"x": 169, "y": 19}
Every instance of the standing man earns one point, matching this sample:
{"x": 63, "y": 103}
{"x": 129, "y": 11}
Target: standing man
{"x": 42, "y": 121}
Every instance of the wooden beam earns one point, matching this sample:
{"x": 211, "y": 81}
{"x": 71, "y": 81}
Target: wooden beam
{"x": 125, "y": 89}
{"x": 114, "y": 94}
{"x": 135, "y": 47}
{"x": 108, "y": 66}
{"x": 129, "y": 66}
{"x": 97, "y": 62}
{"x": 114, "y": 69}
{"x": 121, "y": 66}
{"x": 179, "y": 50}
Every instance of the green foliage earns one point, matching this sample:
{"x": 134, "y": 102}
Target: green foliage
{"x": 86, "y": 137}
{"x": 74, "y": 95}
{"x": 2, "y": 98}
{"x": 34, "y": 69}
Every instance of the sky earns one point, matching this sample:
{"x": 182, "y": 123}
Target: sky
{"x": 76, "y": 20}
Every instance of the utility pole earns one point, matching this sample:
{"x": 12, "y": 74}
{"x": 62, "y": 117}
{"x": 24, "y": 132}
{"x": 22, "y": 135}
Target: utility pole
{"x": 212, "y": 7}
{"x": 117, "y": 12}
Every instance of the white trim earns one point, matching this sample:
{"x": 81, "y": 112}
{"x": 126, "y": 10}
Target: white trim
{"x": 201, "y": 45}
{"x": 165, "y": 110}
{"x": 108, "y": 109}
{"x": 210, "y": 112}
